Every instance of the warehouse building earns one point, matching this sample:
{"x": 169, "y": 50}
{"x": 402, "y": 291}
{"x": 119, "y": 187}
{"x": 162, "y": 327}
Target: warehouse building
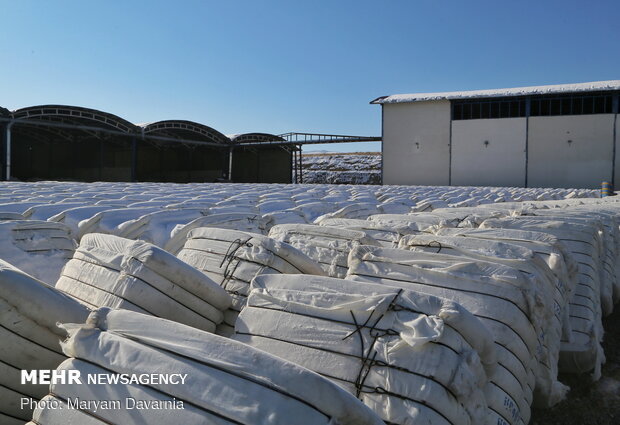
{"x": 547, "y": 136}
{"x": 60, "y": 142}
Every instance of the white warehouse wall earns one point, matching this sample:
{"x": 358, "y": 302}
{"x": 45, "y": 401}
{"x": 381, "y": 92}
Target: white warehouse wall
{"x": 416, "y": 143}
{"x": 584, "y": 162}
{"x": 501, "y": 162}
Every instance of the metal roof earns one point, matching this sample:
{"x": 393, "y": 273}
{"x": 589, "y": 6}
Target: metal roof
{"x": 74, "y": 115}
{"x": 255, "y": 137}
{"x": 595, "y": 86}
{"x": 185, "y": 130}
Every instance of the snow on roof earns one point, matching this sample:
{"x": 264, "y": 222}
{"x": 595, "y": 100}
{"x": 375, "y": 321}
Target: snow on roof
{"x": 517, "y": 91}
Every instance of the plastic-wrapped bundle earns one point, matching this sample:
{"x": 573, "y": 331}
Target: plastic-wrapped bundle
{"x": 289, "y": 216}
{"x": 329, "y": 246}
{"x": 39, "y": 248}
{"x": 108, "y": 221}
{"x": 507, "y": 302}
{"x": 548, "y": 390}
{"x": 411, "y": 357}
{"x": 546, "y": 246}
{"x": 110, "y": 271}
{"x": 385, "y": 235}
{"x": 611, "y": 245}
{"x": 45, "y": 211}
{"x": 414, "y": 222}
{"x": 604, "y": 263}
{"x": 157, "y": 227}
{"x": 243, "y": 222}
{"x": 354, "y": 211}
{"x": 232, "y": 259}
{"x": 30, "y": 339}
{"x": 226, "y": 382}
{"x": 469, "y": 217}
{"x": 583, "y": 351}
{"x": 72, "y": 217}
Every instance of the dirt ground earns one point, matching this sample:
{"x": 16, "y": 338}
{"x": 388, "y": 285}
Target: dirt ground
{"x": 591, "y": 403}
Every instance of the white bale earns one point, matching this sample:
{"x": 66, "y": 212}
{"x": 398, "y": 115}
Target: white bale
{"x": 233, "y": 258}
{"x": 329, "y": 246}
{"x": 583, "y": 351}
{"x": 226, "y": 382}
{"x": 110, "y": 271}
{"x": 409, "y": 356}
{"x": 504, "y": 300}
{"x": 549, "y": 391}
{"x": 39, "y": 248}
{"x": 29, "y": 313}
{"x": 157, "y": 227}
{"x": 252, "y": 223}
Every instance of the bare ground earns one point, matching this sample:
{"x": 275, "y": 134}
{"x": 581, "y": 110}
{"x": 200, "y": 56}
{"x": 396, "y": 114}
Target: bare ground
{"x": 591, "y": 403}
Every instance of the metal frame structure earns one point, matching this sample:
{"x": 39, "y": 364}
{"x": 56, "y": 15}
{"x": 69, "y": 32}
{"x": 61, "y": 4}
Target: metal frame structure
{"x": 175, "y": 128}
{"x": 297, "y": 140}
{"x": 62, "y": 121}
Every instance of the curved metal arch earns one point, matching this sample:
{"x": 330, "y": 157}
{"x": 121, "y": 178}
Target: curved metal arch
{"x": 74, "y": 114}
{"x": 176, "y": 128}
{"x": 255, "y": 137}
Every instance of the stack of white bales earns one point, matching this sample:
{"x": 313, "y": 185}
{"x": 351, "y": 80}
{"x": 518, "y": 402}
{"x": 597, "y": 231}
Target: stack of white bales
{"x": 29, "y": 337}
{"x": 328, "y": 246}
{"x": 546, "y": 246}
{"x": 412, "y": 358}
{"x": 39, "y": 248}
{"x": 225, "y": 382}
{"x": 232, "y": 259}
{"x": 108, "y": 271}
{"x": 243, "y": 222}
{"x": 582, "y": 352}
{"x": 548, "y": 390}
{"x": 611, "y": 243}
{"x": 506, "y": 301}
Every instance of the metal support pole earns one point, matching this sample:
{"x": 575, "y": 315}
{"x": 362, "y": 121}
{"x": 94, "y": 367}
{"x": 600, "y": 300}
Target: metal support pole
{"x": 230, "y": 163}
{"x": 134, "y": 159}
{"x": 7, "y": 154}
{"x": 301, "y": 170}
{"x": 295, "y": 164}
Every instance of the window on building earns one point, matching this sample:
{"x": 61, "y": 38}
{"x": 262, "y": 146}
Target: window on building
{"x": 472, "y": 109}
{"x": 540, "y": 106}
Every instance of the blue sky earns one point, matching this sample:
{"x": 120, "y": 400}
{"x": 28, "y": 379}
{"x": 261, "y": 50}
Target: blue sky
{"x": 279, "y": 66}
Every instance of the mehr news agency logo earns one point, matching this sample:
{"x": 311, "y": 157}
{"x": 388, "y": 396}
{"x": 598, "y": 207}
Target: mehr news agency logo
{"x": 74, "y": 377}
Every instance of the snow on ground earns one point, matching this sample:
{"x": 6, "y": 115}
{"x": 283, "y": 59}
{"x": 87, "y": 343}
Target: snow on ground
{"x": 342, "y": 168}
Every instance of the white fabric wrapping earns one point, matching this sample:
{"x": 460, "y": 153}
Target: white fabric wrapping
{"x": 225, "y": 379}
{"x": 233, "y": 258}
{"x": 507, "y": 302}
{"x": 39, "y": 248}
{"x": 328, "y": 246}
{"x": 253, "y": 223}
{"x": 385, "y": 235}
{"x": 426, "y": 365}
{"x": 29, "y": 335}
{"x": 548, "y": 391}
{"x": 111, "y": 271}
{"x": 583, "y": 352}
